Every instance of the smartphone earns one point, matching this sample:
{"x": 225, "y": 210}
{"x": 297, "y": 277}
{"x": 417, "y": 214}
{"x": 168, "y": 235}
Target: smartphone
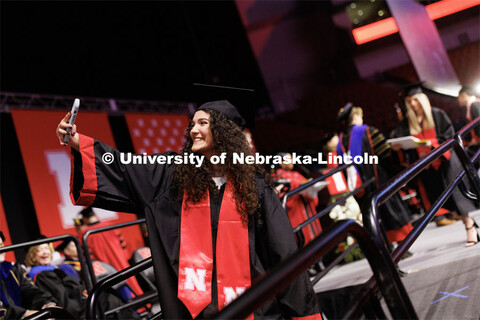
{"x": 75, "y": 107}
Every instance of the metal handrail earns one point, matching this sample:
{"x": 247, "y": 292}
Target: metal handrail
{"x": 331, "y": 206}
{"x": 393, "y": 186}
{"x": 81, "y": 258}
{"x": 327, "y": 209}
{"x": 467, "y": 128}
{"x": 49, "y": 313}
{"x": 380, "y": 196}
{"x": 312, "y": 182}
{"x": 364, "y": 293}
{"x": 462, "y": 132}
{"x": 107, "y": 282}
{"x": 102, "y": 229}
{"x": 272, "y": 283}
{"x": 134, "y": 303}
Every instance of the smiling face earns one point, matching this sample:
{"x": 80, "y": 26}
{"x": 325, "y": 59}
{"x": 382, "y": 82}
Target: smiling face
{"x": 201, "y": 134}
{"x": 43, "y": 255}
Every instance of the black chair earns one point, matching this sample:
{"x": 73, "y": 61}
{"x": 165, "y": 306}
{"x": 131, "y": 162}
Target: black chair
{"x": 147, "y": 277}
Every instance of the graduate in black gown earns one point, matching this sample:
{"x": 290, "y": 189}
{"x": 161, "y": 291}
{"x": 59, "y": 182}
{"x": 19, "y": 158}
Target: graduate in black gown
{"x": 358, "y": 139}
{"x": 434, "y": 126}
{"x": 212, "y": 228}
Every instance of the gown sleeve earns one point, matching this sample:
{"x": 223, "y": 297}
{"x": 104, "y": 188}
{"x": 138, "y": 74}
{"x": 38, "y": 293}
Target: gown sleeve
{"x": 32, "y": 296}
{"x": 115, "y": 186}
{"x": 298, "y": 300}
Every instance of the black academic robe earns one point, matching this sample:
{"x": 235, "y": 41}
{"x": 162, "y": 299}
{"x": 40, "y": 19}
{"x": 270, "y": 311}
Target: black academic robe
{"x": 66, "y": 289}
{"x": 394, "y": 213}
{"x": 435, "y": 181}
{"x": 148, "y": 190}
{"x": 32, "y": 297}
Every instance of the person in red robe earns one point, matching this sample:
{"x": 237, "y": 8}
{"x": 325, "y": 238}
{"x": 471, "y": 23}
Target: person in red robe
{"x": 107, "y": 246}
{"x": 302, "y": 206}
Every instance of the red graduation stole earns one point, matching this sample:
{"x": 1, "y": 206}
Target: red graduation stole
{"x": 430, "y": 134}
{"x": 196, "y": 254}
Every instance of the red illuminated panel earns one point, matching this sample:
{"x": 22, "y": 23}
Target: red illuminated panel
{"x": 388, "y": 26}
{"x": 444, "y": 8}
{"x": 375, "y": 30}
{"x": 155, "y": 133}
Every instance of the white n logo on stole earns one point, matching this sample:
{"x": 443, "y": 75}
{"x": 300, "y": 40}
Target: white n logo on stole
{"x": 231, "y": 294}
{"x": 195, "y": 279}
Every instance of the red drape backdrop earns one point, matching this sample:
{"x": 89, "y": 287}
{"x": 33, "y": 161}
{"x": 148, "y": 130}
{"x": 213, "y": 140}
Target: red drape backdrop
{"x": 47, "y": 165}
{"x": 154, "y": 133}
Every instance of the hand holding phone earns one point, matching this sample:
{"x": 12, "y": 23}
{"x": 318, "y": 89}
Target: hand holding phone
{"x": 73, "y": 116}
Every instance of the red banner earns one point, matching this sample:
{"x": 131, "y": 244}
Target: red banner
{"x": 47, "y": 165}
{"x": 155, "y": 133}
{"x": 10, "y": 256}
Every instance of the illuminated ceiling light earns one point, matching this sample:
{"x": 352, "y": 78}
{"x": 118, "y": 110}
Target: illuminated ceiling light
{"x": 360, "y": 13}
{"x": 388, "y": 26}
{"x": 477, "y": 88}
{"x": 355, "y": 21}
{"x": 380, "y": 13}
{"x": 353, "y": 5}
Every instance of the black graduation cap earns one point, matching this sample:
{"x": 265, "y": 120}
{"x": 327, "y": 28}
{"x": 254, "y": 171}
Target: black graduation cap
{"x": 468, "y": 90}
{"x": 87, "y": 212}
{"x": 63, "y": 245}
{"x": 241, "y": 99}
{"x": 39, "y": 237}
{"x": 344, "y": 112}
{"x": 413, "y": 88}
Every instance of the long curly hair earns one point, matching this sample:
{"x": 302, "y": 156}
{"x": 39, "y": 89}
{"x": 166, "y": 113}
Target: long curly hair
{"x": 229, "y": 138}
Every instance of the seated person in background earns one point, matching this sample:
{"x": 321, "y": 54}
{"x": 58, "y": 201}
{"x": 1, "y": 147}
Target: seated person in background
{"x": 300, "y": 207}
{"x": 108, "y": 246}
{"x": 18, "y": 295}
{"x": 62, "y": 281}
{"x": 69, "y": 251}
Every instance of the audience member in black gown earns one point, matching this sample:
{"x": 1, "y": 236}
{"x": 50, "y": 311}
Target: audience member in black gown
{"x": 19, "y": 297}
